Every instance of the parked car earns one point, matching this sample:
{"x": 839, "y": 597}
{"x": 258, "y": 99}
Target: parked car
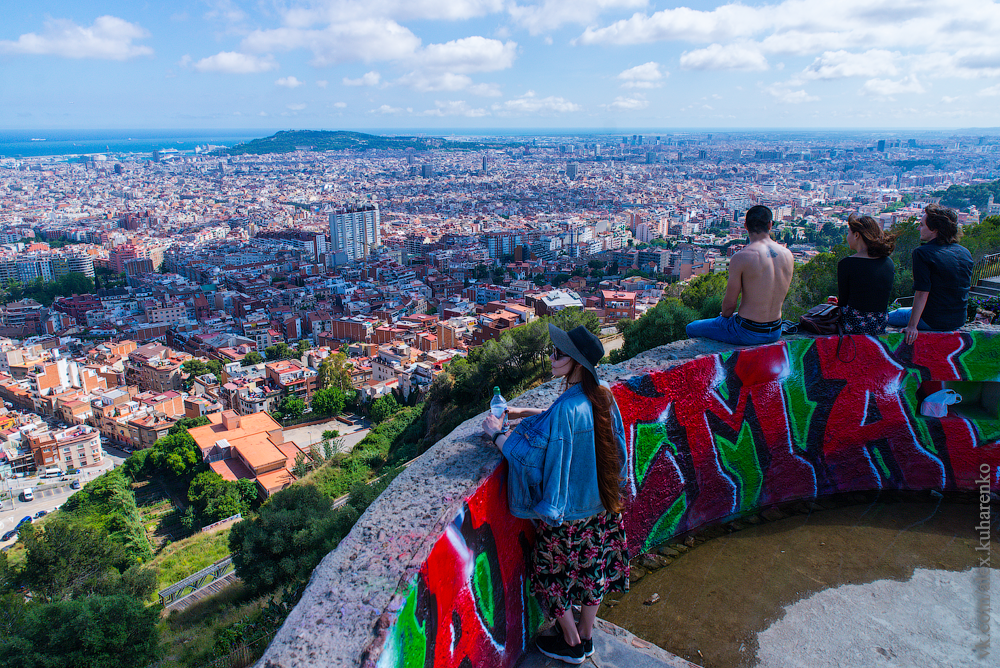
{"x": 24, "y": 520}
{"x": 75, "y": 484}
{"x": 41, "y": 513}
{"x": 10, "y": 534}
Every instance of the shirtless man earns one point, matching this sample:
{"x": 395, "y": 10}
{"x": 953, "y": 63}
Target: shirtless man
{"x": 762, "y": 272}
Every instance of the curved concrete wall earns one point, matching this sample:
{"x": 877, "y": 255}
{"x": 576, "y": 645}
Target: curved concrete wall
{"x": 433, "y": 574}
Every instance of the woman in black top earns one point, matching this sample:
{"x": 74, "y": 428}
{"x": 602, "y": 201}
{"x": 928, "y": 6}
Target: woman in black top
{"x": 864, "y": 280}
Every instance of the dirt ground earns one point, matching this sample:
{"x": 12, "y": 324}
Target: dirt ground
{"x": 715, "y": 599}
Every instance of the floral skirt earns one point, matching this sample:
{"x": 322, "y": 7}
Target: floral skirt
{"x": 862, "y": 322}
{"x": 579, "y": 562}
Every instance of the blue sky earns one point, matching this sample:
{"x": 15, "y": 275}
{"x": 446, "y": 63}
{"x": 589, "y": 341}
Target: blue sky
{"x": 602, "y": 64}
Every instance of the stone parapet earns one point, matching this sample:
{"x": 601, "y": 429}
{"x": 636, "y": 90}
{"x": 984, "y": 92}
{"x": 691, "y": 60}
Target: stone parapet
{"x": 434, "y": 572}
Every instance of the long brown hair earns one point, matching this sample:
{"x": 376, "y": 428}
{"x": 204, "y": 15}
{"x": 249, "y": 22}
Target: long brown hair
{"x": 609, "y": 465}
{"x": 944, "y": 221}
{"x": 879, "y": 243}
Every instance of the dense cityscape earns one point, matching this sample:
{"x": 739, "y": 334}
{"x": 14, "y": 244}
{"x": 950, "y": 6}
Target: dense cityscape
{"x": 193, "y": 309}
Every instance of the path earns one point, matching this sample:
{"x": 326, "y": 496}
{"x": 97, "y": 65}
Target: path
{"x": 310, "y": 434}
{"x": 208, "y": 590}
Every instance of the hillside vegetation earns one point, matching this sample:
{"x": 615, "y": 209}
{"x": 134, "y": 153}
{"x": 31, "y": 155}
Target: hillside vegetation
{"x": 287, "y": 141}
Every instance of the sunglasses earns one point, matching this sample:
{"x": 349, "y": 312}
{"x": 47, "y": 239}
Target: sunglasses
{"x": 557, "y": 354}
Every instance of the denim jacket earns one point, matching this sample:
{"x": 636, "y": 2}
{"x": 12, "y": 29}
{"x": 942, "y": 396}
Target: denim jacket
{"x": 552, "y": 472}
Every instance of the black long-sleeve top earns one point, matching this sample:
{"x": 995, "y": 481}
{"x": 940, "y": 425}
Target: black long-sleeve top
{"x": 865, "y": 283}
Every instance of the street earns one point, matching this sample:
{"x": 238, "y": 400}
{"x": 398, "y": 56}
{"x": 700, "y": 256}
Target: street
{"x": 308, "y": 435}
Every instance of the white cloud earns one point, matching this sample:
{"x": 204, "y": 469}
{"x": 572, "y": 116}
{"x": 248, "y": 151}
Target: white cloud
{"x": 468, "y": 55}
{"x": 366, "y": 40}
{"x": 647, "y": 75}
{"x": 322, "y": 83}
{"x": 841, "y": 64}
{"x": 109, "y": 38}
{"x": 226, "y": 11}
{"x": 551, "y": 14}
{"x": 368, "y": 79}
{"x": 992, "y": 91}
{"x": 787, "y": 96}
{"x": 386, "y": 109}
{"x": 231, "y": 62}
{"x": 957, "y": 36}
{"x": 296, "y": 107}
{"x": 340, "y": 105}
{"x": 529, "y": 103}
{"x": 888, "y": 87}
{"x": 289, "y": 82}
{"x": 486, "y": 90}
{"x": 425, "y": 83}
{"x": 628, "y": 104}
{"x": 455, "y": 108}
{"x": 719, "y": 57}
{"x": 334, "y": 11}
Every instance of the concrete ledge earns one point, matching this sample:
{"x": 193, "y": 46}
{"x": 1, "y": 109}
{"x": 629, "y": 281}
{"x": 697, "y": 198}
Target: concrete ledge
{"x": 433, "y": 574}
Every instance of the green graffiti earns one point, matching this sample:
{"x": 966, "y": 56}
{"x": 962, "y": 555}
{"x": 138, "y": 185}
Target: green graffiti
{"x": 982, "y": 360}
{"x": 892, "y": 341}
{"x": 908, "y": 388}
{"x": 534, "y": 617}
{"x": 406, "y": 646}
{"x": 800, "y": 407}
{"x": 740, "y": 459}
{"x": 648, "y": 439}
{"x": 482, "y": 586}
{"x": 886, "y": 474}
{"x": 723, "y": 387}
{"x": 666, "y": 526}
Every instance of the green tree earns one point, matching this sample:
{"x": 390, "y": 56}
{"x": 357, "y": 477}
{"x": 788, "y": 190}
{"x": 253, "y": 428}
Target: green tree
{"x": 383, "y": 408}
{"x": 660, "y": 325}
{"x": 703, "y": 287}
{"x": 279, "y": 351}
{"x": 282, "y": 544}
{"x": 69, "y": 559}
{"x": 328, "y": 402}
{"x": 292, "y": 407}
{"x": 97, "y": 632}
{"x": 559, "y": 279}
{"x": 334, "y": 371}
{"x": 182, "y": 425}
{"x": 177, "y": 453}
{"x": 302, "y": 347}
{"x": 251, "y": 358}
{"x": 301, "y": 467}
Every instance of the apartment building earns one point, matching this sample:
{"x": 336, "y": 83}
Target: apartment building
{"x": 248, "y": 447}
{"x": 291, "y": 377}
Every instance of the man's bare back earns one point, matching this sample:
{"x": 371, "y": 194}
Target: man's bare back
{"x": 761, "y": 272}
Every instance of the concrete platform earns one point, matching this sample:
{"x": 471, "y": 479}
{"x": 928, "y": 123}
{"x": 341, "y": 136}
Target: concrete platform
{"x": 614, "y": 647}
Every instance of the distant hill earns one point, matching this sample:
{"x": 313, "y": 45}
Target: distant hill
{"x": 323, "y": 140}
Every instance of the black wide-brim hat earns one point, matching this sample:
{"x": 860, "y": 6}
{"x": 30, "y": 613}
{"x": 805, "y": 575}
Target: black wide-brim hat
{"x": 580, "y": 344}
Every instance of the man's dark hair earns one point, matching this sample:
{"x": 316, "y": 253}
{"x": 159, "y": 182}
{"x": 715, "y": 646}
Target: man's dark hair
{"x": 944, "y": 221}
{"x": 759, "y": 219}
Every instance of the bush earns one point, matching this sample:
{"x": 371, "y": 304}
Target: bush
{"x": 97, "y": 631}
{"x": 283, "y": 543}
{"x": 660, "y": 325}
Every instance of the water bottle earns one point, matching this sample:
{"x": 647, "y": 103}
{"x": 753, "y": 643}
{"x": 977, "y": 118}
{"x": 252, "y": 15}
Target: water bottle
{"x": 498, "y": 406}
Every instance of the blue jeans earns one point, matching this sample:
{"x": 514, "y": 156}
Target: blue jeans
{"x": 901, "y": 318}
{"x": 729, "y": 330}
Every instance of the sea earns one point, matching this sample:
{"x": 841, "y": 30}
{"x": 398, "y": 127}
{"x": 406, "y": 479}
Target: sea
{"x": 37, "y": 143}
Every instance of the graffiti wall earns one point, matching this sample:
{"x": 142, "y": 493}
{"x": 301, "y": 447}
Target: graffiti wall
{"x": 712, "y": 439}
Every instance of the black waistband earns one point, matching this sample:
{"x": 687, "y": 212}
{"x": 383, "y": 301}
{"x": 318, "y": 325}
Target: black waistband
{"x": 759, "y": 327}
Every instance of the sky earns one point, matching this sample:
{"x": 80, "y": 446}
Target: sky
{"x": 464, "y": 64}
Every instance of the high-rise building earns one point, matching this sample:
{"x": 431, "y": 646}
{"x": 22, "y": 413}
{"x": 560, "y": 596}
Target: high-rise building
{"x": 572, "y": 168}
{"x": 881, "y": 145}
{"x": 356, "y": 231}
{"x": 426, "y": 171}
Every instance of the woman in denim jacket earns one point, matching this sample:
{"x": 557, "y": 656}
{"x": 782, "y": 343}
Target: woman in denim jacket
{"x": 566, "y": 467}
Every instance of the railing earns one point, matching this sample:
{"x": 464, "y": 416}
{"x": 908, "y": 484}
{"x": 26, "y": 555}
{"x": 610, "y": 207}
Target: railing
{"x": 987, "y": 267}
{"x": 196, "y": 581}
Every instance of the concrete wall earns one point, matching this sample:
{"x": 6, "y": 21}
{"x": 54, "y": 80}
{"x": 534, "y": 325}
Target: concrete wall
{"x": 433, "y": 574}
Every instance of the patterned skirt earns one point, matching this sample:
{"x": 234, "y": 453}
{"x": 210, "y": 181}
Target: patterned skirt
{"x": 862, "y": 322}
{"x": 579, "y": 562}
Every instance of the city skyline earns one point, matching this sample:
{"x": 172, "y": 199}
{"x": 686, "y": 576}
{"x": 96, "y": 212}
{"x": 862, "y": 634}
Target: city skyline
{"x": 600, "y": 64}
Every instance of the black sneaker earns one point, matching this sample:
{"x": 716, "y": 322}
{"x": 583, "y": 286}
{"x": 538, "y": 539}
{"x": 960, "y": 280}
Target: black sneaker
{"x": 588, "y": 646}
{"x": 555, "y": 647}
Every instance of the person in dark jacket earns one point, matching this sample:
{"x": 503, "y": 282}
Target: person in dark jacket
{"x": 566, "y": 468}
{"x": 942, "y": 277}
